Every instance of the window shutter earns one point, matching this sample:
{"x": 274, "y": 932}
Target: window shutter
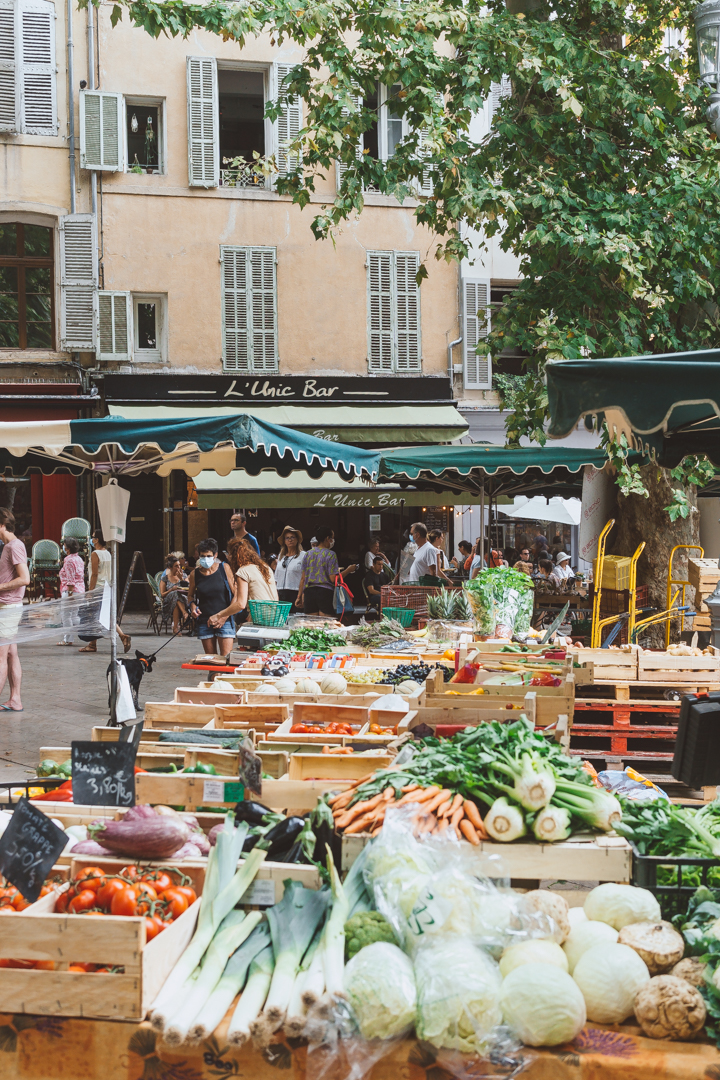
{"x": 380, "y": 312}
{"x": 203, "y": 126}
{"x": 101, "y": 142}
{"x": 407, "y": 300}
{"x": 38, "y": 67}
{"x": 249, "y": 310}
{"x": 476, "y": 327}
{"x": 114, "y": 325}
{"x": 498, "y": 91}
{"x": 288, "y": 123}
{"x": 425, "y": 182}
{"x": 341, "y": 167}
{"x": 8, "y": 94}
{"x": 78, "y": 281}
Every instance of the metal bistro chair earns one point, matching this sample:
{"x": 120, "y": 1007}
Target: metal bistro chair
{"x": 81, "y": 530}
{"x": 46, "y": 565}
{"x": 157, "y": 619}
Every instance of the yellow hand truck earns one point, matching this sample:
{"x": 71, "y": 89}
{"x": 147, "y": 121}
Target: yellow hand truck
{"x": 599, "y": 624}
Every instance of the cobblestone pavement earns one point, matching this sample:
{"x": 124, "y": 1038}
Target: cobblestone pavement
{"x": 65, "y": 694}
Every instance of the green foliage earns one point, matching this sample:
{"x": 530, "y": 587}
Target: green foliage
{"x": 627, "y": 477}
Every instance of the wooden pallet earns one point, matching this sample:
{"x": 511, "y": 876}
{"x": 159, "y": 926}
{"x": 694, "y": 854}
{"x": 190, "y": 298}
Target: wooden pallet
{"x": 622, "y": 726}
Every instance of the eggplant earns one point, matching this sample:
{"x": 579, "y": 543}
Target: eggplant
{"x": 282, "y": 836}
{"x": 292, "y": 855}
{"x": 142, "y": 839}
{"x": 252, "y": 812}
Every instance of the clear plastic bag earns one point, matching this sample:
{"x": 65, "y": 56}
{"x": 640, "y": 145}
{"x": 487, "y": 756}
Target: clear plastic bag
{"x": 442, "y": 630}
{"x": 79, "y": 614}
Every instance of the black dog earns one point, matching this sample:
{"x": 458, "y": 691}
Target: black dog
{"x": 135, "y": 670}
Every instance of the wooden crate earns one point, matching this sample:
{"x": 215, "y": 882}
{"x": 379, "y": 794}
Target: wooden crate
{"x": 296, "y": 699}
{"x": 335, "y": 766}
{"x": 146, "y": 758}
{"x": 322, "y": 713}
{"x": 185, "y": 789}
{"x": 171, "y": 714}
{"x": 703, "y": 573}
{"x": 299, "y": 796}
{"x": 194, "y": 695}
{"x": 543, "y": 705}
{"x": 225, "y": 762}
{"x": 665, "y": 668}
{"x": 274, "y": 762}
{"x": 613, "y": 664}
{"x": 435, "y": 716}
{"x": 260, "y": 717}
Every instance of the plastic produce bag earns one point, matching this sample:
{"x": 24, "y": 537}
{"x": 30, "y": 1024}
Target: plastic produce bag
{"x": 37, "y": 622}
{"x": 501, "y": 600}
{"x": 443, "y": 630}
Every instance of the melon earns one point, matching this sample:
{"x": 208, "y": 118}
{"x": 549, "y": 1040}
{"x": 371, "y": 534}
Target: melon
{"x": 408, "y": 686}
{"x": 268, "y": 688}
{"x": 307, "y": 686}
{"x": 285, "y": 686}
{"x": 333, "y": 683}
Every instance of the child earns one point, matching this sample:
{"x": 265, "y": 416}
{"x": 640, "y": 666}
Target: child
{"x": 72, "y": 580}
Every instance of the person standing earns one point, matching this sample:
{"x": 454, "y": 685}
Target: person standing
{"x": 462, "y": 562}
{"x": 425, "y": 563}
{"x": 437, "y": 538}
{"x": 237, "y": 524}
{"x": 289, "y": 567}
{"x": 14, "y": 579}
{"x": 101, "y": 574}
{"x": 212, "y": 589}
{"x": 317, "y": 584}
{"x": 72, "y": 580}
{"x": 253, "y": 577}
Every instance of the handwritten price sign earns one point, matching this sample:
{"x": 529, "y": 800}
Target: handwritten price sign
{"x": 103, "y": 774}
{"x": 29, "y": 848}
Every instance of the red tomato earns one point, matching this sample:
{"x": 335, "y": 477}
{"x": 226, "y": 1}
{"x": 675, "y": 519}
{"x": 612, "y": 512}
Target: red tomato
{"x": 61, "y": 903}
{"x": 299, "y": 729}
{"x": 176, "y": 901}
{"x": 20, "y": 903}
{"x": 79, "y": 967}
{"x": 84, "y": 900}
{"x": 131, "y": 872}
{"x": 108, "y": 889}
{"x": 44, "y": 965}
{"x": 186, "y": 890}
{"x": 91, "y": 877}
{"x": 146, "y": 889}
{"x": 158, "y": 879}
{"x": 125, "y": 901}
{"x": 153, "y": 926}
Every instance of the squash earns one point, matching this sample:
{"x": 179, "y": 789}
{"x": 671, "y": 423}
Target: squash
{"x": 307, "y": 686}
{"x": 333, "y": 683}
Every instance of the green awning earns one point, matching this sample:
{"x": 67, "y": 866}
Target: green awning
{"x": 669, "y": 404}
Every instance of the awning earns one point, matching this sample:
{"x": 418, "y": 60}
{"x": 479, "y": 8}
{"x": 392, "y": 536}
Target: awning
{"x": 112, "y": 445}
{"x": 668, "y": 404}
{"x": 300, "y": 490}
{"x": 560, "y": 511}
{"x": 379, "y": 425}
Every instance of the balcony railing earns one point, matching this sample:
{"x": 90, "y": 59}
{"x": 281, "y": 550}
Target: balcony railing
{"x": 244, "y": 177}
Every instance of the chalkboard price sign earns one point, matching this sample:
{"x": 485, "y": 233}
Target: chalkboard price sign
{"x": 103, "y": 774}
{"x": 29, "y": 848}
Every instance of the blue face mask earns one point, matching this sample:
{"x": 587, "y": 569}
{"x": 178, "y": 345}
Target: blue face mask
{"x": 206, "y": 561}
{"x": 91, "y": 544}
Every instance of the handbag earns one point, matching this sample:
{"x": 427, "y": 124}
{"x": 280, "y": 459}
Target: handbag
{"x": 342, "y": 597}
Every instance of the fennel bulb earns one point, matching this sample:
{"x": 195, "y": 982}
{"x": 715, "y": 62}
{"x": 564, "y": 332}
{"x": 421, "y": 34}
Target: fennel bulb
{"x": 533, "y": 951}
{"x": 586, "y": 935}
{"x": 504, "y": 821}
{"x": 610, "y": 977}
{"x": 552, "y": 824}
{"x": 620, "y": 905}
{"x": 598, "y": 809}
{"x": 542, "y": 1004}
{"x": 458, "y": 989}
{"x": 380, "y": 985}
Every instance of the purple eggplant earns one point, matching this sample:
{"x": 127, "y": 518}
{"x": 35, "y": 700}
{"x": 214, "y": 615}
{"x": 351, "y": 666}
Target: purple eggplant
{"x": 143, "y": 839}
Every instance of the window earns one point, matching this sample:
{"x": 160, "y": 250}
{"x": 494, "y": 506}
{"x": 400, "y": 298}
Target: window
{"x": 394, "y": 343}
{"x": 115, "y": 325}
{"x": 249, "y": 309}
{"x": 148, "y": 327}
{"x": 382, "y": 138}
{"x": 27, "y": 316}
{"x": 143, "y": 136}
{"x": 509, "y": 361}
{"x": 27, "y": 67}
{"x": 226, "y": 120}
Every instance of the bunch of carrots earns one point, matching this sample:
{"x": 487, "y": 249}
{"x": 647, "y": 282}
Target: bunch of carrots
{"x": 437, "y": 810}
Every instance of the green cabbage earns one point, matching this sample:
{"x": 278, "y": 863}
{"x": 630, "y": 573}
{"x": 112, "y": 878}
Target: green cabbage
{"x": 458, "y": 987}
{"x": 380, "y": 985}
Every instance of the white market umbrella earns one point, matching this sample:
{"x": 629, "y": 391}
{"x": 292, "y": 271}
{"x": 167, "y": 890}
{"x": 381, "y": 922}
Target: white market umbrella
{"x": 561, "y": 511}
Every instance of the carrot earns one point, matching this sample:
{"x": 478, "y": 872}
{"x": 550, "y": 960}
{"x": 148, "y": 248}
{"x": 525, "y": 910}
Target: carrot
{"x": 326, "y": 749}
{"x": 457, "y": 817}
{"x": 438, "y": 800}
{"x": 469, "y": 832}
{"x": 425, "y": 824}
{"x": 444, "y": 808}
{"x": 388, "y": 794}
{"x": 419, "y": 796}
{"x": 442, "y": 825}
{"x": 359, "y": 824}
{"x": 410, "y": 787}
{"x": 473, "y": 814}
{"x": 456, "y": 804}
{"x": 357, "y": 810}
{"x": 339, "y": 805}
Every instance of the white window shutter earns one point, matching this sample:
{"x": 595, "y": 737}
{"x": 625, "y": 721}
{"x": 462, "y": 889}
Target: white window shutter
{"x": 203, "y": 124}
{"x": 114, "y": 323}
{"x": 477, "y": 366}
{"x": 101, "y": 135}
{"x": 9, "y": 103}
{"x": 407, "y": 307}
{"x": 39, "y": 108}
{"x": 425, "y": 181}
{"x": 341, "y": 167}
{"x": 381, "y": 323}
{"x": 78, "y": 281}
{"x": 498, "y": 91}
{"x": 288, "y": 124}
{"x": 249, "y": 310}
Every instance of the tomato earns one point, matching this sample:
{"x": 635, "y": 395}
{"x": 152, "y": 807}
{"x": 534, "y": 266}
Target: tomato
{"x": 159, "y": 880}
{"x": 153, "y": 926}
{"x": 91, "y": 877}
{"x": 20, "y": 903}
{"x": 125, "y": 901}
{"x": 108, "y": 889}
{"x": 25, "y": 964}
{"x": 130, "y": 872}
{"x": 8, "y": 892}
{"x": 44, "y": 965}
{"x": 7, "y": 909}
{"x": 61, "y": 903}
{"x": 176, "y": 901}
{"x": 80, "y": 967}
{"x": 146, "y": 889}
{"x": 84, "y": 900}
{"x": 299, "y": 729}
{"x": 186, "y": 890}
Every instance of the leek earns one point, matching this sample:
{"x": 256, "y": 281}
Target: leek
{"x": 252, "y": 999}
{"x": 332, "y": 945}
{"x": 293, "y": 923}
{"x": 314, "y": 984}
{"x": 236, "y": 928}
{"x": 505, "y": 822}
{"x": 356, "y": 892}
{"x": 295, "y": 1018}
{"x": 597, "y": 808}
{"x": 229, "y": 986}
{"x": 552, "y": 824}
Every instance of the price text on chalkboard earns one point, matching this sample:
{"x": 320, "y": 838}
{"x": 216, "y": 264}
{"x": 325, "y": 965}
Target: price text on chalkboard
{"x": 103, "y": 774}
{"x": 29, "y": 848}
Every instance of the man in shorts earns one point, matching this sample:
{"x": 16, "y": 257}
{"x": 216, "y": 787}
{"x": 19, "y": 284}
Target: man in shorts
{"x": 14, "y": 577}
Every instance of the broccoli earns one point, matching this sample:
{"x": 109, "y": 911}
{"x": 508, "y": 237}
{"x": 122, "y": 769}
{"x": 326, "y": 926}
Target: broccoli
{"x": 364, "y": 929}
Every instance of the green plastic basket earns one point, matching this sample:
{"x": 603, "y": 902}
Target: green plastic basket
{"x": 404, "y": 615}
{"x": 269, "y": 612}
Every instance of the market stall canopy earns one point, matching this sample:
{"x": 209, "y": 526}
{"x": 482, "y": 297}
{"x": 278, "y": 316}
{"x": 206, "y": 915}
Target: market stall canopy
{"x": 380, "y": 425}
{"x": 667, "y": 405}
{"x": 498, "y": 470}
{"x": 222, "y": 444}
{"x": 560, "y": 511}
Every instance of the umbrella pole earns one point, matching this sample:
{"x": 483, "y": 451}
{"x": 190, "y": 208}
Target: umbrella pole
{"x": 400, "y": 538}
{"x": 113, "y": 632}
{"x": 481, "y": 553}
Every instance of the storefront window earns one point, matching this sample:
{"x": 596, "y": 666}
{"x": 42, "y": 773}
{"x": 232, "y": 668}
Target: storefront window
{"x": 26, "y": 286}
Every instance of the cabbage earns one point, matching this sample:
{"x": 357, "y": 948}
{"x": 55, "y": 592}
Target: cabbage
{"x": 380, "y": 985}
{"x": 458, "y": 988}
{"x": 542, "y": 1004}
{"x": 620, "y": 905}
{"x": 586, "y": 935}
{"x": 534, "y": 951}
{"x": 609, "y": 977}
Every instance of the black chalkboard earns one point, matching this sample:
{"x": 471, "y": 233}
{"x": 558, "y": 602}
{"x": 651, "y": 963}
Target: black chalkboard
{"x": 29, "y": 848}
{"x": 103, "y": 773}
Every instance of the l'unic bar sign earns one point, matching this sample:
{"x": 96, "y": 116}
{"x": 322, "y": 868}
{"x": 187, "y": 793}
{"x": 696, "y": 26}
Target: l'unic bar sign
{"x": 273, "y": 389}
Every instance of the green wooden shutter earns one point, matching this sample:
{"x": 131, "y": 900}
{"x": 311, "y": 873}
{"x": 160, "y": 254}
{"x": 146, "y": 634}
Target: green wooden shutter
{"x": 407, "y": 312}
{"x": 101, "y": 135}
{"x": 249, "y": 310}
{"x": 114, "y": 325}
{"x": 203, "y": 126}
{"x": 288, "y": 123}
{"x": 381, "y": 343}
{"x": 78, "y": 282}
{"x": 477, "y": 366}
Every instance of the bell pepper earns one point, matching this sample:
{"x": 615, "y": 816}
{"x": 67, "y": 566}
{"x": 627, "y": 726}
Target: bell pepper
{"x": 63, "y": 793}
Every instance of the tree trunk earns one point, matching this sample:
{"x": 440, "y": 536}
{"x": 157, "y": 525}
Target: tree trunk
{"x": 638, "y": 519}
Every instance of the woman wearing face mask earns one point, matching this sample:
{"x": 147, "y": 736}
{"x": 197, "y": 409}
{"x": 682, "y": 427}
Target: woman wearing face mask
{"x": 212, "y": 591}
{"x": 100, "y": 572}
{"x": 289, "y": 567}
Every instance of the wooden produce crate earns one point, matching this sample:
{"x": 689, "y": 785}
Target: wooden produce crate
{"x": 225, "y": 762}
{"x": 544, "y": 705}
{"x": 335, "y": 766}
{"x": 703, "y": 574}
{"x": 274, "y": 762}
{"x": 184, "y": 789}
{"x": 436, "y": 716}
{"x": 260, "y": 717}
{"x": 615, "y": 665}
{"x": 149, "y": 756}
{"x": 662, "y": 667}
{"x": 194, "y": 695}
{"x": 171, "y": 714}
{"x": 297, "y": 699}
{"x": 299, "y": 796}
{"x": 326, "y": 713}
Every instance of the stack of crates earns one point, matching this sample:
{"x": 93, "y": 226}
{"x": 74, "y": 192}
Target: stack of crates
{"x": 704, "y": 575}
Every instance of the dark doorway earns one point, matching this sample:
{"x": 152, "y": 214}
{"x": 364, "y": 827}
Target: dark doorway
{"x": 144, "y": 532}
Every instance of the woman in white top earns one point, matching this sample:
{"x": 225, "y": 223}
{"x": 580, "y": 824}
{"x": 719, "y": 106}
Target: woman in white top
{"x": 254, "y": 578}
{"x": 289, "y": 565}
{"x": 101, "y": 572}
{"x": 372, "y": 553}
